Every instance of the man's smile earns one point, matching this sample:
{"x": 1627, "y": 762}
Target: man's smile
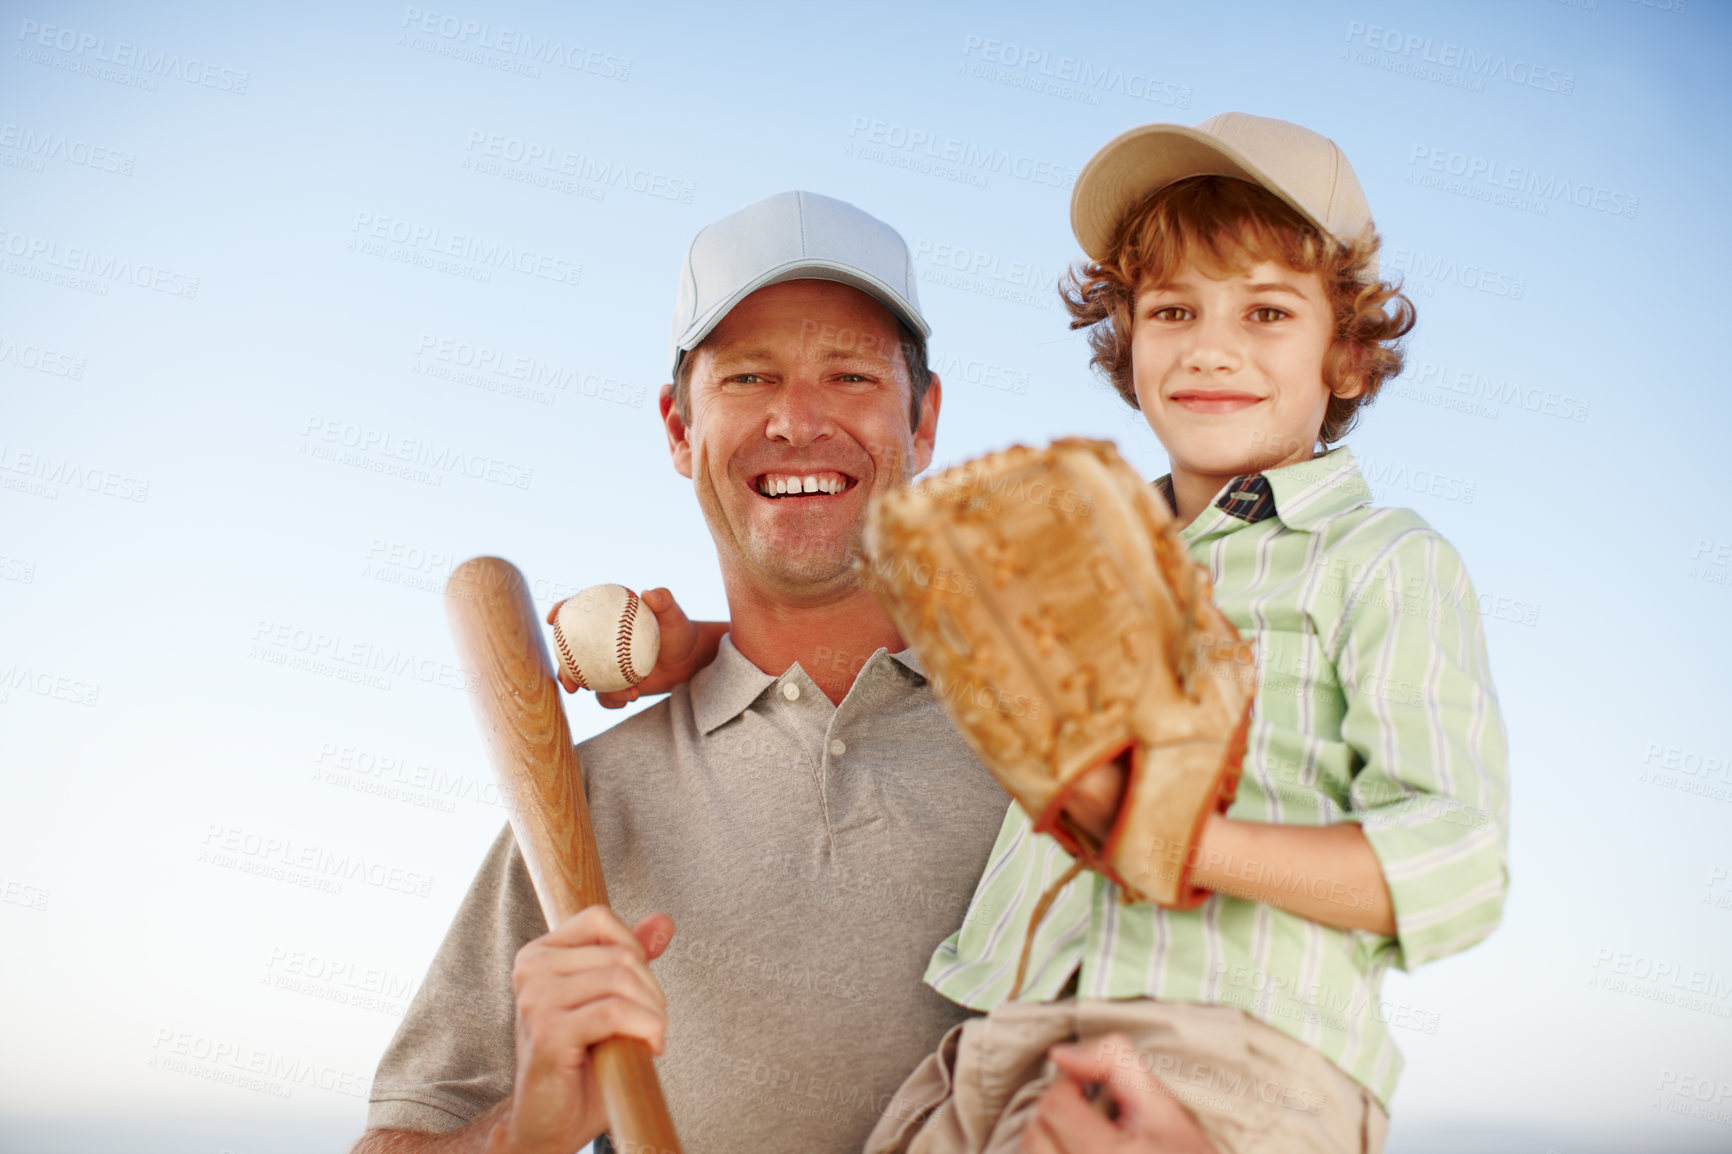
{"x": 822, "y": 482}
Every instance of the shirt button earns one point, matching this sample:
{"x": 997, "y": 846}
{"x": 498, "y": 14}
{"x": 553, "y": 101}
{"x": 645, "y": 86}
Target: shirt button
{"x": 791, "y": 691}
{"x": 838, "y": 747}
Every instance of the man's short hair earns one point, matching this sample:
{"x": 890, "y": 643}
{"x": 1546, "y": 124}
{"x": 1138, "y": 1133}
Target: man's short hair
{"x": 1228, "y": 224}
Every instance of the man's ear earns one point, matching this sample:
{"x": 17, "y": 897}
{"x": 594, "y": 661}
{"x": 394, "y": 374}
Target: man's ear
{"x": 679, "y": 436}
{"x": 926, "y": 432}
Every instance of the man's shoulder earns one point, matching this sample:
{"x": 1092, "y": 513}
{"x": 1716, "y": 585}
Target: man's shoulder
{"x": 658, "y": 725}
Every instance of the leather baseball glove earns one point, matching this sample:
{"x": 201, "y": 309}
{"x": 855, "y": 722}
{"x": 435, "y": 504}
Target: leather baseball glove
{"x": 1064, "y": 626}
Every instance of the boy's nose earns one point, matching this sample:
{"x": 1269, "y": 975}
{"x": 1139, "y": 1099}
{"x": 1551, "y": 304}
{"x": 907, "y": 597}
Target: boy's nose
{"x": 1214, "y": 347}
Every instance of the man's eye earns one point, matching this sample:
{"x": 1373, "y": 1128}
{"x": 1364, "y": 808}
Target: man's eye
{"x": 746, "y": 379}
{"x": 1268, "y": 313}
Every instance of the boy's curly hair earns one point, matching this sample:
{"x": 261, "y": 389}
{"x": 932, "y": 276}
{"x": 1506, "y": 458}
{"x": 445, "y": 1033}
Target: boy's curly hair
{"x": 1231, "y": 224}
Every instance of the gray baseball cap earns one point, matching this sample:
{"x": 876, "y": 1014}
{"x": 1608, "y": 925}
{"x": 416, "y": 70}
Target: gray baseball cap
{"x": 790, "y": 236}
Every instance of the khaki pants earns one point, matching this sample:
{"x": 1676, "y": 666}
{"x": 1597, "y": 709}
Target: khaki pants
{"x": 1250, "y": 1087}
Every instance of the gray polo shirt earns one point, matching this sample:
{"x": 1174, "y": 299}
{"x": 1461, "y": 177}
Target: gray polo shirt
{"x": 812, "y": 856}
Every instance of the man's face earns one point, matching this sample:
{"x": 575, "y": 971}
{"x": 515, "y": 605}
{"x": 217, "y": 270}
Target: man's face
{"x": 799, "y": 413}
{"x": 1228, "y": 367}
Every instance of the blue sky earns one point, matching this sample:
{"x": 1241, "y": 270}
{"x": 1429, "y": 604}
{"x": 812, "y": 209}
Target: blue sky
{"x": 267, "y": 372}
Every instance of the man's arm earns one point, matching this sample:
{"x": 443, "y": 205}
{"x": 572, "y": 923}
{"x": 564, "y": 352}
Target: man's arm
{"x": 585, "y": 981}
{"x": 472, "y": 1139}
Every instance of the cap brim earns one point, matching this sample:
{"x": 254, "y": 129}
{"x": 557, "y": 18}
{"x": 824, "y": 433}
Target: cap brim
{"x": 1146, "y": 160}
{"x": 803, "y": 270}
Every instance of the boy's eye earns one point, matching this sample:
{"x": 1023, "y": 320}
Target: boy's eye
{"x": 1267, "y": 313}
{"x": 1170, "y": 313}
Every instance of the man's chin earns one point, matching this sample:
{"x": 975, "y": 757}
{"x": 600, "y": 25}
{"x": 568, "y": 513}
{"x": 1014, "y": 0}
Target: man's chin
{"x": 795, "y": 567}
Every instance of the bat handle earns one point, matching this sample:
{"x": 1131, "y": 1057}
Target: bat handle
{"x": 637, "y": 1114}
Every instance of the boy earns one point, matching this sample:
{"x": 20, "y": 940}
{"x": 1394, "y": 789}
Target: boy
{"x": 1232, "y": 296}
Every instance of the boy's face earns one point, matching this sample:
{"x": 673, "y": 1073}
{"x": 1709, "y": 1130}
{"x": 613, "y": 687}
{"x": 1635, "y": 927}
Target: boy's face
{"x": 1228, "y": 368}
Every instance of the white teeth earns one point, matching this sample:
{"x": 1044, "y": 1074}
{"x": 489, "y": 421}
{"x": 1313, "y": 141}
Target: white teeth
{"x": 777, "y": 486}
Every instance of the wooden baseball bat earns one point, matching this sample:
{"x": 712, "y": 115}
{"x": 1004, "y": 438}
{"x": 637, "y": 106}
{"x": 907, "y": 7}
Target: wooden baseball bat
{"x": 529, "y": 744}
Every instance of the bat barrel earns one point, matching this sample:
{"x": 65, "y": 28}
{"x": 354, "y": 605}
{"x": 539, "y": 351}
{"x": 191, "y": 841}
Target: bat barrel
{"x": 522, "y": 722}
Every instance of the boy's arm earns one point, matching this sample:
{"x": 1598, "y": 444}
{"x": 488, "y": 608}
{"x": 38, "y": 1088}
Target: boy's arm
{"x": 1420, "y": 855}
{"x": 1327, "y": 873}
{"x": 1432, "y": 793}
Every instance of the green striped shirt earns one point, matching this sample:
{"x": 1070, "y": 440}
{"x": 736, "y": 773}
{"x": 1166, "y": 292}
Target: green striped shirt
{"x": 1374, "y": 705}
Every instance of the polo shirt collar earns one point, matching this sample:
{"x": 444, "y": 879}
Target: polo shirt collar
{"x": 727, "y": 686}
{"x": 1304, "y": 495}
{"x": 723, "y": 689}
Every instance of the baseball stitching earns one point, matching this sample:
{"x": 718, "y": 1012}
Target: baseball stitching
{"x": 565, "y": 654}
{"x": 624, "y": 641}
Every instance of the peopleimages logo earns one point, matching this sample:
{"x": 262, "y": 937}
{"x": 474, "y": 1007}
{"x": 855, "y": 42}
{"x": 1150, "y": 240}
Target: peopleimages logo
{"x": 528, "y": 48}
{"x": 1067, "y": 77}
{"x": 39, "y": 145}
{"x": 879, "y": 140}
{"x": 428, "y": 245}
{"x": 498, "y": 370}
{"x": 1446, "y": 270}
{"x": 84, "y": 52}
{"x": 1418, "y": 50}
{"x": 94, "y": 267}
{"x": 1470, "y": 385}
{"x": 1485, "y": 178}
{"x": 554, "y": 161}
{"x": 48, "y": 473}
{"x": 40, "y": 359}
{"x": 985, "y": 274}
{"x": 326, "y": 437}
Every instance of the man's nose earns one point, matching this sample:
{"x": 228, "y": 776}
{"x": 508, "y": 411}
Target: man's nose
{"x": 1215, "y": 345}
{"x": 798, "y": 413}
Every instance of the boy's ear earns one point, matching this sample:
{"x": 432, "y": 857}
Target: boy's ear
{"x": 1346, "y": 370}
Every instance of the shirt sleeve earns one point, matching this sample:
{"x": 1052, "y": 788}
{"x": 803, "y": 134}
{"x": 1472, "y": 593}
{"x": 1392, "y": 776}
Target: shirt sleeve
{"x": 1432, "y": 790}
{"x": 453, "y": 1056}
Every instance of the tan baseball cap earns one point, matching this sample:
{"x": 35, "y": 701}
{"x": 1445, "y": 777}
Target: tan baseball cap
{"x": 1306, "y": 170}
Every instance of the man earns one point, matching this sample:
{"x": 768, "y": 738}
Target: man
{"x": 802, "y": 809}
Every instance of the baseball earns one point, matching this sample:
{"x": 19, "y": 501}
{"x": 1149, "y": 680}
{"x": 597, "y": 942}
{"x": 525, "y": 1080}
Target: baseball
{"x": 606, "y": 637}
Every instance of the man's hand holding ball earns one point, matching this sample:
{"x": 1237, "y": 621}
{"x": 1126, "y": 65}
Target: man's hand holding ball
{"x": 607, "y": 643}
